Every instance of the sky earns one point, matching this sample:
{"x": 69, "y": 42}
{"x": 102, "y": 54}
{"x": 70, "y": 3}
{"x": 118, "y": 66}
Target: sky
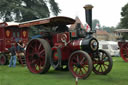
{"x": 106, "y": 11}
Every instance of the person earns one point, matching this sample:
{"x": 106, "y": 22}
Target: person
{"x": 62, "y": 28}
{"x": 20, "y": 49}
{"x": 20, "y": 46}
{"x": 12, "y": 51}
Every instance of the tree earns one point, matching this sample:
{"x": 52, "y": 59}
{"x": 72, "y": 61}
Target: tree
{"x": 124, "y": 14}
{"x": 124, "y": 21}
{"x": 108, "y": 29}
{"x": 25, "y": 10}
{"x": 119, "y": 26}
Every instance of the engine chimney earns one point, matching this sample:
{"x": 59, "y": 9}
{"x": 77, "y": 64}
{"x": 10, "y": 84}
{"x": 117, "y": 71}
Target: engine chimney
{"x": 88, "y": 12}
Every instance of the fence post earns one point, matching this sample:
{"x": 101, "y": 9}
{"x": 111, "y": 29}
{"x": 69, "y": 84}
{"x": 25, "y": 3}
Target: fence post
{"x": 76, "y": 80}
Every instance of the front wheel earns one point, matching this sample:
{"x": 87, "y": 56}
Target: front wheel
{"x": 102, "y": 63}
{"x": 3, "y": 59}
{"x": 80, "y": 64}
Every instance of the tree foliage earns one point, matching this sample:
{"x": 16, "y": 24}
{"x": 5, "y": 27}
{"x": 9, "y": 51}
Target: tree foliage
{"x": 124, "y": 14}
{"x": 24, "y": 10}
{"x": 124, "y": 21}
{"x": 108, "y": 29}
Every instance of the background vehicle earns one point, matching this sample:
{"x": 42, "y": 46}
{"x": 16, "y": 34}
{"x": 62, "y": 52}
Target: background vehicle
{"x": 75, "y": 50}
{"x": 123, "y": 44}
{"x": 110, "y": 46}
{"x": 10, "y": 32}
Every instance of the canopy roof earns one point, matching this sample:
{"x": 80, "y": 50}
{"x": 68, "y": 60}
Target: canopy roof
{"x": 121, "y": 30}
{"x": 54, "y": 21}
{"x": 8, "y": 24}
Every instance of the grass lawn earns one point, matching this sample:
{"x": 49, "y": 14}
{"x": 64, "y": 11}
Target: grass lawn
{"x": 21, "y": 76}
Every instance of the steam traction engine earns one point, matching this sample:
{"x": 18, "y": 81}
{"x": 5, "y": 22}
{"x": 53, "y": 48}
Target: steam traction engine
{"x": 75, "y": 50}
{"x": 123, "y": 43}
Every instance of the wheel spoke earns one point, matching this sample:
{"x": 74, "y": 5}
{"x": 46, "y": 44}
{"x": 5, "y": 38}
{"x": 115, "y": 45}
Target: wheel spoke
{"x": 82, "y": 61}
{"x": 42, "y": 60}
{"x": 30, "y": 54}
{"x": 84, "y": 69}
{"x": 104, "y": 67}
{"x": 76, "y": 69}
{"x": 124, "y": 49}
{"x": 81, "y": 72}
{"x": 74, "y": 63}
{"x": 30, "y": 57}
{"x": 101, "y": 68}
{"x": 42, "y": 52}
{"x": 31, "y": 47}
{"x": 39, "y": 65}
{"x": 38, "y": 62}
{"x": 96, "y": 65}
{"x": 36, "y": 46}
{"x": 39, "y": 47}
{"x": 34, "y": 61}
{"x": 86, "y": 66}
{"x": 78, "y": 60}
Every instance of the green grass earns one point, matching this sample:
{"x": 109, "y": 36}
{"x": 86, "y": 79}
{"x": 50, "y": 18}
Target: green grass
{"x": 21, "y": 76}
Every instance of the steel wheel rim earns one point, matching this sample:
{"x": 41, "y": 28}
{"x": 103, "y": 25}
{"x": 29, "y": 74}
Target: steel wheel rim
{"x": 35, "y": 56}
{"x": 77, "y": 70}
{"x": 102, "y": 63}
{"x": 124, "y": 52}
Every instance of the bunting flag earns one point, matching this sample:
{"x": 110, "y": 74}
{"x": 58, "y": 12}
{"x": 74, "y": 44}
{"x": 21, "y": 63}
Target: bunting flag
{"x": 97, "y": 26}
{"x": 88, "y": 28}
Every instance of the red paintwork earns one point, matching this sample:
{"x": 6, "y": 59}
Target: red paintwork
{"x": 55, "y": 57}
{"x": 9, "y": 34}
{"x": 121, "y": 44}
{"x": 75, "y": 44}
{"x": 66, "y": 50}
{"x": 124, "y": 50}
{"x": 2, "y": 60}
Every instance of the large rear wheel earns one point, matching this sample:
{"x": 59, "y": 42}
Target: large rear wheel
{"x": 38, "y": 54}
{"x": 80, "y": 64}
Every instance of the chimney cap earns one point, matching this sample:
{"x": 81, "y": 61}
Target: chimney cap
{"x": 89, "y": 6}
